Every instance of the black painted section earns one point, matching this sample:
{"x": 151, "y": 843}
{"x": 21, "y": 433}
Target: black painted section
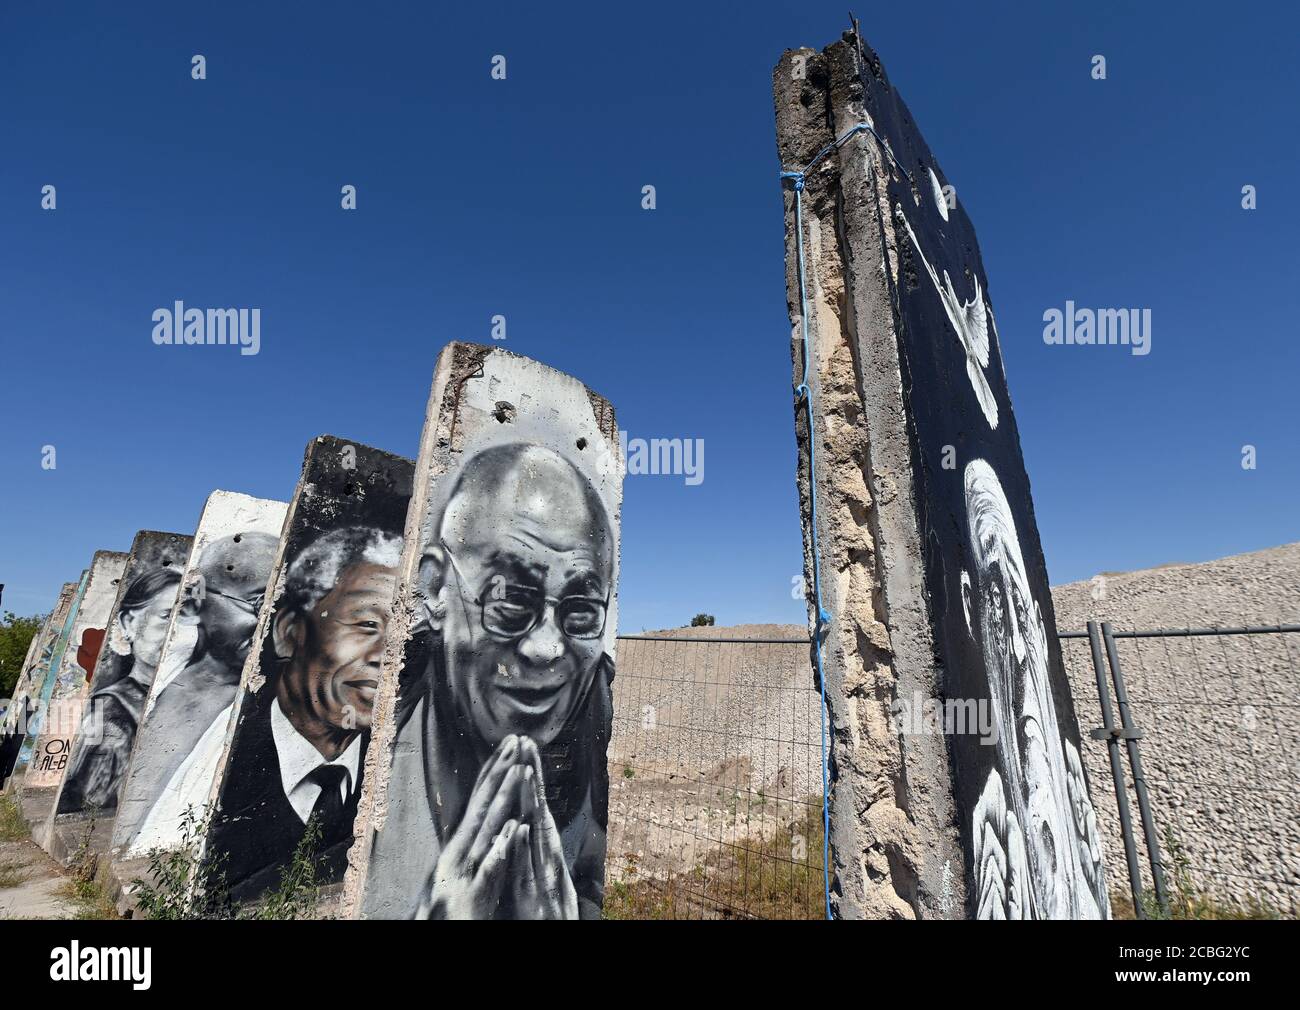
{"x": 943, "y": 410}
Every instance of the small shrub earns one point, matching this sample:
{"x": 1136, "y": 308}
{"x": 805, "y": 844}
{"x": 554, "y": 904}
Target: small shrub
{"x": 185, "y": 884}
{"x": 13, "y": 825}
{"x": 299, "y": 889}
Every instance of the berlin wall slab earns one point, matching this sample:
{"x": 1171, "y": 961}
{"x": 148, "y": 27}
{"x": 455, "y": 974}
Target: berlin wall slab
{"x": 114, "y": 703}
{"x": 495, "y": 704}
{"x": 76, "y": 667}
{"x": 296, "y": 750}
{"x": 27, "y": 690}
{"x": 936, "y": 575}
{"x": 43, "y": 674}
{"x": 224, "y": 581}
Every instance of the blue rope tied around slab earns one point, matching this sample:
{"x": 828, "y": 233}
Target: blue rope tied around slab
{"x": 802, "y": 392}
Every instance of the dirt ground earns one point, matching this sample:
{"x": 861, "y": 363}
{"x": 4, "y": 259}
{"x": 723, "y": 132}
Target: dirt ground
{"x": 33, "y": 886}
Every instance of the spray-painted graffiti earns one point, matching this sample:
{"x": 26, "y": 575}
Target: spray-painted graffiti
{"x": 63, "y": 716}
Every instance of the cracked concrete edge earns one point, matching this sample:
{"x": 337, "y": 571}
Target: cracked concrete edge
{"x": 455, "y": 364}
{"x": 894, "y": 835}
{"x": 251, "y": 677}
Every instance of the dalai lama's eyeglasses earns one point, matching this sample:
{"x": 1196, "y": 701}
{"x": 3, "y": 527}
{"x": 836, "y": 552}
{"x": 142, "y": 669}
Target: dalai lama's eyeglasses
{"x": 509, "y": 611}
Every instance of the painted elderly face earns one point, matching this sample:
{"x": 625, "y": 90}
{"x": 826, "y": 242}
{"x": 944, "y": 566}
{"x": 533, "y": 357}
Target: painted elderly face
{"x": 334, "y": 671}
{"x": 1015, "y": 651}
{"x": 146, "y": 626}
{"x": 523, "y": 630}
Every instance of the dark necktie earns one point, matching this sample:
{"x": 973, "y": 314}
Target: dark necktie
{"x": 328, "y": 810}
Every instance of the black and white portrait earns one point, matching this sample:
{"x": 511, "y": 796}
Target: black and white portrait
{"x": 203, "y": 658}
{"x": 116, "y": 705}
{"x": 497, "y": 799}
{"x": 1037, "y": 853}
{"x": 299, "y": 751}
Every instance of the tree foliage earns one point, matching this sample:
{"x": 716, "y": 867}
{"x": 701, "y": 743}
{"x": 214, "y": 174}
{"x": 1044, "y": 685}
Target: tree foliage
{"x": 16, "y": 634}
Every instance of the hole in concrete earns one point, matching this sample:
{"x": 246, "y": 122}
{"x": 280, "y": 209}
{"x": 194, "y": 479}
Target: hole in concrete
{"x": 239, "y": 537}
{"x": 230, "y": 568}
{"x": 505, "y": 412}
{"x": 582, "y": 443}
{"x": 166, "y": 562}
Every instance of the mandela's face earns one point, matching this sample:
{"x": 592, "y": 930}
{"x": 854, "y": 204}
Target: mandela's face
{"x": 334, "y": 671}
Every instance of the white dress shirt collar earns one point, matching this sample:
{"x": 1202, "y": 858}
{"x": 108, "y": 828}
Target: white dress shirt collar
{"x": 299, "y": 758}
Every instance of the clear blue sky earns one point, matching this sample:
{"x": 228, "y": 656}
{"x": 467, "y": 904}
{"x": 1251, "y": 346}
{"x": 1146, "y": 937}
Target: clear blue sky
{"x": 522, "y": 197}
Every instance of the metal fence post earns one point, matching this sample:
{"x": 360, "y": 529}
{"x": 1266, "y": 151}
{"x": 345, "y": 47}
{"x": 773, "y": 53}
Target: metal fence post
{"x": 1131, "y": 736}
{"x": 1111, "y": 734}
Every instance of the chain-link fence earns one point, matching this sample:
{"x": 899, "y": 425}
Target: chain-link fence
{"x": 1218, "y": 713}
{"x": 715, "y": 779}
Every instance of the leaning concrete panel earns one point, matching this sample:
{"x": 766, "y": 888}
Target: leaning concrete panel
{"x": 932, "y": 565}
{"x": 77, "y": 665}
{"x": 41, "y": 679}
{"x": 32, "y": 678}
{"x": 495, "y": 706}
{"x": 222, "y": 587}
{"x": 297, "y": 747}
{"x": 38, "y": 653}
{"x": 114, "y": 704}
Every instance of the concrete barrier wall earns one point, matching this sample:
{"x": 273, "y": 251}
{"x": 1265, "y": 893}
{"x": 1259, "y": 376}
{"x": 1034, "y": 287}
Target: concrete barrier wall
{"x": 31, "y": 677}
{"x": 77, "y": 666}
{"x": 27, "y": 690}
{"x": 486, "y": 790}
{"x": 222, "y": 587}
{"x": 124, "y": 672}
{"x": 934, "y": 570}
{"x": 43, "y": 677}
{"x": 296, "y": 750}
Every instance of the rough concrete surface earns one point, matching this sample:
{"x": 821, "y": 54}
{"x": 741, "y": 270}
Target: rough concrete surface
{"x": 1220, "y": 717}
{"x": 893, "y": 826}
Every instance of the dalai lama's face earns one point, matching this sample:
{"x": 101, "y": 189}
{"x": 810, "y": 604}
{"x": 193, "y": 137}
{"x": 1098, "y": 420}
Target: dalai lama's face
{"x": 527, "y": 571}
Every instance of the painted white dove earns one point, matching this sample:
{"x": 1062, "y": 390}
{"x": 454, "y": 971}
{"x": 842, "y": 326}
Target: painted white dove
{"x": 970, "y": 321}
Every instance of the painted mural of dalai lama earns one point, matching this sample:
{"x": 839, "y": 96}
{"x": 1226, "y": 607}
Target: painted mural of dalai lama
{"x": 497, "y": 803}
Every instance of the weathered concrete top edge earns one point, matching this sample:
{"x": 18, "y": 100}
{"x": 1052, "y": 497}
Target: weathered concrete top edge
{"x": 334, "y": 442}
{"x": 461, "y": 348}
